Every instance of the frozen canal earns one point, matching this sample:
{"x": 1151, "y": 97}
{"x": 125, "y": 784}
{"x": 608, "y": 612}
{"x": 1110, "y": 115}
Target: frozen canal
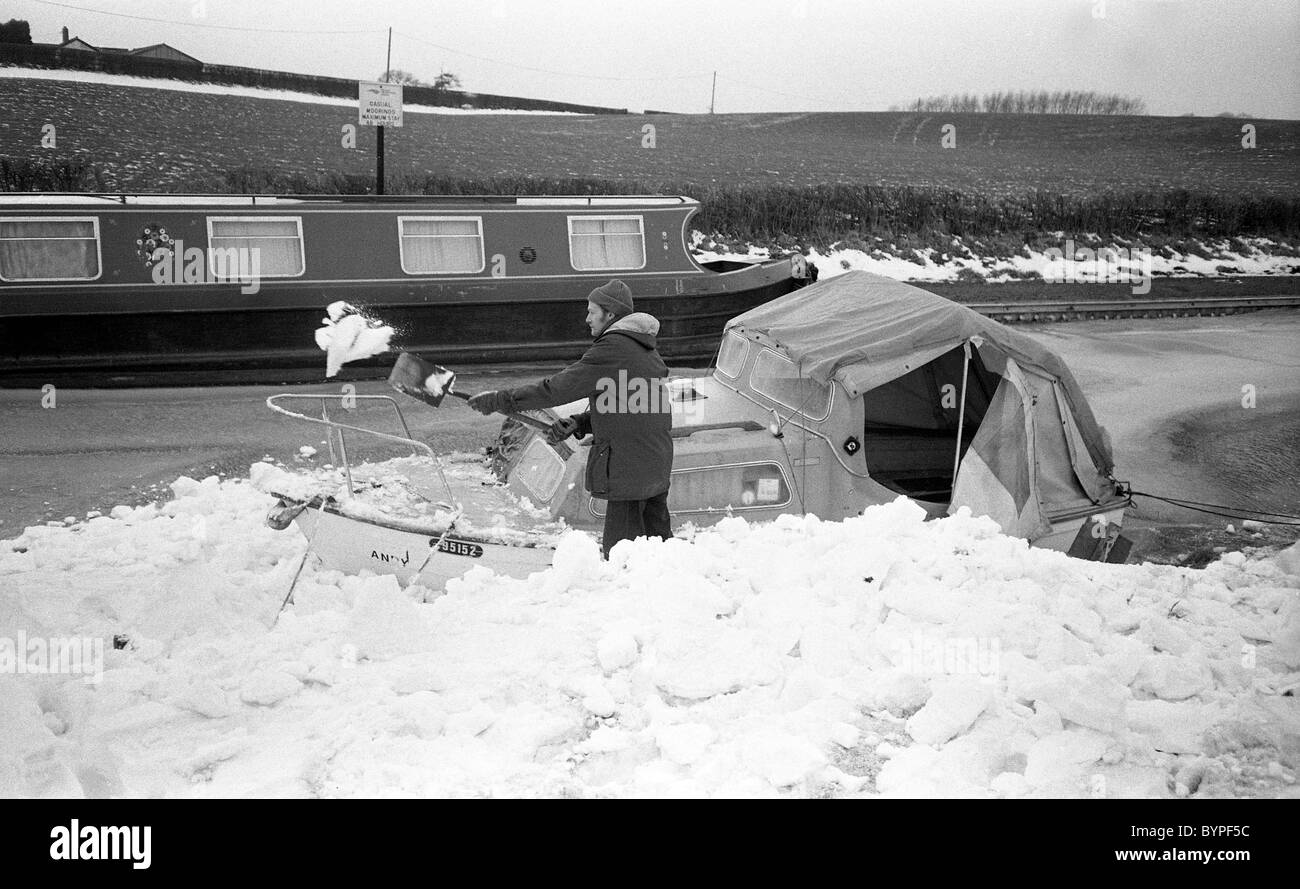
{"x": 1172, "y": 393}
{"x": 883, "y": 655}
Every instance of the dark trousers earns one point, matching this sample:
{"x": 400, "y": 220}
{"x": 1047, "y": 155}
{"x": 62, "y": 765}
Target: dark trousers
{"x": 628, "y": 519}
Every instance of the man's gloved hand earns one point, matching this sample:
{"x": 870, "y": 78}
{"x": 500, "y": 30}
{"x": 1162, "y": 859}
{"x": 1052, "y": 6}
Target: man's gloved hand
{"x": 494, "y": 401}
{"x": 561, "y": 429}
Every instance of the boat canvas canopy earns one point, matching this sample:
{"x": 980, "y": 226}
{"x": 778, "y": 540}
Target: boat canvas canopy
{"x": 864, "y": 330}
{"x": 1036, "y": 449}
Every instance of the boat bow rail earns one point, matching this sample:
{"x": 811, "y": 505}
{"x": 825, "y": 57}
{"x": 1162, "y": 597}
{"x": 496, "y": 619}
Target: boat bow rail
{"x": 335, "y": 428}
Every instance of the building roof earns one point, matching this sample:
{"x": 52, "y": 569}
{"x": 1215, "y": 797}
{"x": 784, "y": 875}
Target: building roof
{"x": 78, "y": 43}
{"x": 144, "y": 49}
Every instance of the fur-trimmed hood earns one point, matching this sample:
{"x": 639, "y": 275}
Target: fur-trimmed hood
{"x": 638, "y": 326}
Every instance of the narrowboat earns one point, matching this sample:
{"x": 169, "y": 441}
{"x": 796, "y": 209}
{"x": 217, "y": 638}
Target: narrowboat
{"x": 138, "y": 288}
{"x": 855, "y": 391}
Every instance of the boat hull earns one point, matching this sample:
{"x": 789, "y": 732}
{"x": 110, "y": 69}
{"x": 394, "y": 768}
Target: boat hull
{"x": 147, "y": 337}
{"x": 351, "y": 545}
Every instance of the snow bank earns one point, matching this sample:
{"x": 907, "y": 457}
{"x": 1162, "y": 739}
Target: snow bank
{"x": 1254, "y": 256}
{"x": 882, "y": 655}
{"x": 216, "y": 89}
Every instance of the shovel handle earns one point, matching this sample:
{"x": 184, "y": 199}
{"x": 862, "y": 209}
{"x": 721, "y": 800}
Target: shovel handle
{"x": 409, "y": 372}
{"x": 522, "y": 418}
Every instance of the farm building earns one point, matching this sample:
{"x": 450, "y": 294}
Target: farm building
{"x": 154, "y": 51}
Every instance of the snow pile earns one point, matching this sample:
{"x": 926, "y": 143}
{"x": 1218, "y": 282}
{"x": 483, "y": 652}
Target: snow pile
{"x": 347, "y": 334}
{"x": 882, "y": 655}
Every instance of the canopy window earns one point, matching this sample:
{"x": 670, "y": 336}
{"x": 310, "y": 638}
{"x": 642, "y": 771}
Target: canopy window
{"x": 441, "y": 245}
{"x": 731, "y": 357}
{"x": 606, "y": 243}
{"x": 46, "y": 249}
{"x": 776, "y": 377}
{"x": 277, "y": 241}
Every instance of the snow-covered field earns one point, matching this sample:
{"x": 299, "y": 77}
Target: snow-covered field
{"x": 1250, "y": 256}
{"x": 882, "y": 655}
{"x": 217, "y": 89}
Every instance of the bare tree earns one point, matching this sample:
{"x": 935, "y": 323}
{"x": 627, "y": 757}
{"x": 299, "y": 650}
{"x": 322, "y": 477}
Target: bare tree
{"x": 1032, "y": 102}
{"x": 406, "y": 78}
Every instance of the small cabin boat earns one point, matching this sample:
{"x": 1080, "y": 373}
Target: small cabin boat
{"x": 141, "y": 288}
{"x": 409, "y": 516}
{"x": 855, "y": 391}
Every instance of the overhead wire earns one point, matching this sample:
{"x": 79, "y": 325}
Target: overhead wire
{"x": 734, "y": 82}
{"x": 195, "y": 24}
{"x": 636, "y": 79}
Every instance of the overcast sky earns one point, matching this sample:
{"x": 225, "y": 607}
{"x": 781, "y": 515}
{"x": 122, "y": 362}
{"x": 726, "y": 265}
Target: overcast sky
{"x": 1202, "y": 56}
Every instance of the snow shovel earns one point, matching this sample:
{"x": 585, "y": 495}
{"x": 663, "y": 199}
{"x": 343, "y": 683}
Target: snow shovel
{"x": 431, "y": 383}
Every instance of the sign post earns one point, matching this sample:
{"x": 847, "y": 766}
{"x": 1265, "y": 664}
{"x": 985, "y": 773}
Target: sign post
{"x": 379, "y": 105}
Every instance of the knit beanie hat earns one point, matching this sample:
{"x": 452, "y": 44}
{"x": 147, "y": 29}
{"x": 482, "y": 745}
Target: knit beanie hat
{"x": 614, "y": 296}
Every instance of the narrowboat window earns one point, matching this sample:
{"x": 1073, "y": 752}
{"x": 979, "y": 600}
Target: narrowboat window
{"x": 49, "y": 249}
{"x": 777, "y": 377}
{"x": 718, "y": 488}
{"x": 540, "y": 470}
{"x": 441, "y": 244}
{"x": 277, "y": 241}
{"x": 731, "y": 360}
{"x": 606, "y": 243}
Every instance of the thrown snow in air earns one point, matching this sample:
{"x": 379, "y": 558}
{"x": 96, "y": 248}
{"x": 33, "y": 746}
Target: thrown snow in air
{"x": 348, "y": 335}
{"x": 879, "y": 655}
{"x": 217, "y": 89}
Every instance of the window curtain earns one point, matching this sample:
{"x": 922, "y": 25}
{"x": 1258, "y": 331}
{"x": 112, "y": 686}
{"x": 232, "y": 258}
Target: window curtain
{"x": 607, "y": 244}
{"x": 441, "y": 245}
{"x": 278, "y": 242}
{"x": 33, "y": 251}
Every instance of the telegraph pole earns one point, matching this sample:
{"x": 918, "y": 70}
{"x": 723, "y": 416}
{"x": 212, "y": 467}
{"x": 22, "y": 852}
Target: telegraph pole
{"x": 379, "y": 132}
{"x": 714, "y": 94}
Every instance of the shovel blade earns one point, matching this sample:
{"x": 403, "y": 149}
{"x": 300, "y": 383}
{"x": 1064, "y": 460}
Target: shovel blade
{"x": 421, "y": 379}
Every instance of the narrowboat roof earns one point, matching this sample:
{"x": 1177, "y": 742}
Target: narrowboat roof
{"x": 260, "y": 200}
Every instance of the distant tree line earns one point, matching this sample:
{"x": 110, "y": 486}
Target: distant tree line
{"x": 444, "y": 81}
{"x": 1031, "y": 102}
{"x": 15, "y": 31}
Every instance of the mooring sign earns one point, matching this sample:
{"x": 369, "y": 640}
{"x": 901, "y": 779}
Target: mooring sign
{"x": 379, "y": 104}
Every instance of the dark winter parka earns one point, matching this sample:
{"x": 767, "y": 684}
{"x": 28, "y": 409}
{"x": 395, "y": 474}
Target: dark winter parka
{"x": 628, "y": 413}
